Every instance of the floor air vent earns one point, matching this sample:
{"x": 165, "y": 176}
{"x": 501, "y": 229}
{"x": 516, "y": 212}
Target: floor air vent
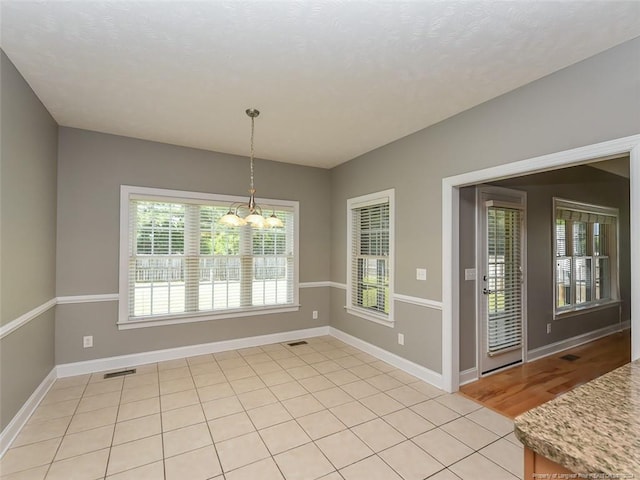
{"x": 570, "y": 357}
{"x": 295, "y": 344}
{"x": 120, "y": 373}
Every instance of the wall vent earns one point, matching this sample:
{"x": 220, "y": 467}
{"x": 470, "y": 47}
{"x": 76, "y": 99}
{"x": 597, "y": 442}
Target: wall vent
{"x": 295, "y": 344}
{"x": 120, "y": 373}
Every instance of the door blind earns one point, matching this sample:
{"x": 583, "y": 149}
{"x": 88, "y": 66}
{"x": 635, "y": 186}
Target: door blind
{"x": 504, "y": 279}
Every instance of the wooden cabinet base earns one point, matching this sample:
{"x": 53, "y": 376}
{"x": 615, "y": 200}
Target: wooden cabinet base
{"x": 534, "y": 463}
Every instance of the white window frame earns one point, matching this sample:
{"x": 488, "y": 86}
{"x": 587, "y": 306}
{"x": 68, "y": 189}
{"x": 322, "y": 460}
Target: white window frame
{"x": 613, "y": 255}
{"x": 385, "y": 196}
{"x": 128, "y": 193}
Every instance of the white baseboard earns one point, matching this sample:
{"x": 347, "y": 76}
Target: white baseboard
{"x": 576, "y": 341}
{"x": 11, "y": 431}
{"x": 423, "y": 373}
{"x": 468, "y": 376}
{"x": 123, "y": 361}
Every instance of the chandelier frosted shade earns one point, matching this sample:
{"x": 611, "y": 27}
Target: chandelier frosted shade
{"x": 250, "y": 213}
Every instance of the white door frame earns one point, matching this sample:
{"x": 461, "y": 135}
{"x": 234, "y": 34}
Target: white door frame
{"x": 450, "y": 236}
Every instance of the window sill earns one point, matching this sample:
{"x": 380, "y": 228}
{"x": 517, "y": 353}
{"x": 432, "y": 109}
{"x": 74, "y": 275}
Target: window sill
{"x": 177, "y": 320}
{"x": 558, "y": 315}
{"x": 369, "y": 316}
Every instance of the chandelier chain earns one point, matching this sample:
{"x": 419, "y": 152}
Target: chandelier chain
{"x": 251, "y": 156}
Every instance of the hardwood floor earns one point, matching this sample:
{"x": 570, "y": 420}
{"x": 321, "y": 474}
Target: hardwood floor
{"x": 518, "y": 389}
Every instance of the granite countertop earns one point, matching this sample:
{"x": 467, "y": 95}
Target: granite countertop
{"x": 594, "y": 428}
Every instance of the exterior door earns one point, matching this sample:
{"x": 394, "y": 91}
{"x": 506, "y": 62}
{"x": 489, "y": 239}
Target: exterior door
{"x": 501, "y": 278}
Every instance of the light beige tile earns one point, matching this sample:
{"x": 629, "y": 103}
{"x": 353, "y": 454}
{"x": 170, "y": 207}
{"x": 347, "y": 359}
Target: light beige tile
{"x": 96, "y": 402}
{"x": 215, "y": 391}
{"x": 442, "y": 446}
{"x": 108, "y": 386}
{"x": 240, "y": 451}
{"x": 174, "y": 374}
{"x": 316, "y": 383}
{"x": 38, "y": 432}
{"x": 186, "y": 439}
{"x": 67, "y": 382}
{"x": 85, "y": 442}
{"x": 365, "y": 357}
{"x": 341, "y": 377}
{"x": 364, "y": 371}
{"x": 37, "y": 473}
{"x": 209, "y": 379}
{"x": 205, "y": 359}
{"x": 226, "y": 355}
{"x": 458, "y": 403}
{"x": 144, "y": 369}
{"x": 283, "y": 436}
{"x": 278, "y": 355}
{"x": 435, "y": 412}
{"x": 303, "y": 463}
{"x": 141, "y": 408}
{"x": 507, "y": 455}
{"x": 135, "y": 454}
{"x": 182, "y": 417}
{"x": 348, "y": 362}
{"x": 408, "y": 422}
{"x": 513, "y": 439}
{"x": 477, "y": 467}
{"x": 205, "y": 369}
{"x": 371, "y": 468}
{"x": 498, "y": 424}
{"x": 44, "y": 413}
{"x": 285, "y": 391}
{"x": 321, "y": 424}
{"x": 142, "y": 392}
{"x": 429, "y": 390}
{"x": 247, "y": 384}
{"x": 62, "y": 394}
{"x": 407, "y": 395}
{"x": 445, "y": 475}
{"x": 276, "y": 378}
{"x": 200, "y": 464}
{"x": 382, "y": 366}
{"x": 305, "y": 371}
{"x": 266, "y": 368}
{"x": 470, "y": 433}
{"x": 268, "y": 415}
{"x": 178, "y": 400}
{"x": 410, "y": 461}
{"x": 249, "y": 351}
{"x": 378, "y": 434}
{"x": 93, "y": 419}
{"x": 169, "y": 364}
{"x": 232, "y": 363}
{"x": 403, "y": 376}
{"x": 313, "y": 358}
{"x": 238, "y": 373}
{"x": 139, "y": 380}
{"x": 153, "y": 471}
{"x": 230, "y": 426}
{"x": 304, "y": 405}
{"x": 360, "y": 389}
{"x": 335, "y": 353}
{"x": 257, "y": 398}
{"x": 333, "y": 397}
{"x": 343, "y": 448}
{"x": 291, "y": 362}
{"x": 327, "y": 366}
{"x": 176, "y": 385}
{"x": 28, "y": 456}
{"x": 353, "y": 413}
{"x": 136, "y": 429}
{"x": 257, "y": 359}
{"x": 221, "y": 407}
{"x": 381, "y": 404}
{"x": 84, "y": 467}
{"x": 332, "y": 476}
{"x": 263, "y": 469}
{"x": 384, "y": 382}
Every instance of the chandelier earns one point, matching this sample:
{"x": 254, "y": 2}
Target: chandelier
{"x": 239, "y": 213}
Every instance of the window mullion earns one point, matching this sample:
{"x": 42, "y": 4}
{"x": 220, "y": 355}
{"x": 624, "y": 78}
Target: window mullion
{"x": 191, "y": 257}
{"x": 246, "y": 266}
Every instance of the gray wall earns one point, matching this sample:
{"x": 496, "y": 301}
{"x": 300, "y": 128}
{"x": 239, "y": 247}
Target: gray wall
{"x": 589, "y": 102}
{"x": 91, "y": 168}
{"x": 584, "y": 184}
{"x": 27, "y": 239}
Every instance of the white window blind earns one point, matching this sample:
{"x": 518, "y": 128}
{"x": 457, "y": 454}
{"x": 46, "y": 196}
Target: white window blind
{"x": 585, "y": 254}
{"x": 369, "y": 289}
{"x": 183, "y": 263}
{"x": 504, "y": 279}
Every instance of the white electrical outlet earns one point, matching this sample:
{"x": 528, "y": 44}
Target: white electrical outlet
{"x": 401, "y": 338}
{"x": 421, "y": 273}
{"x": 548, "y": 328}
{"x": 87, "y": 342}
{"x": 469, "y": 273}
{"x": 315, "y": 314}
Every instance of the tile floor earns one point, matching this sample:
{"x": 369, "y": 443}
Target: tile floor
{"x": 324, "y": 410}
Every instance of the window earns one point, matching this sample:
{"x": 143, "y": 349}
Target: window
{"x": 370, "y": 262}
{"x": 586, "y": 259}
{"x": 178, "y": 263}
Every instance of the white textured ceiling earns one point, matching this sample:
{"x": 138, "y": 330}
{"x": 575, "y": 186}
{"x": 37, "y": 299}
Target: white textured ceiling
{"x": 333, "y": 79}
